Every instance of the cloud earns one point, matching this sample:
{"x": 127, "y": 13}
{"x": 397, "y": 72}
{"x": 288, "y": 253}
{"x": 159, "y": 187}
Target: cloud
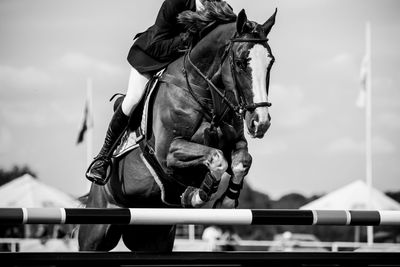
{"x": 291, "y": 110}
{"x": 36, "y": 113}
{"x": 23, "y": 78}
{"x": 382, "y": 146}
{"x": 267, "y": 146}
{"x": 80, "y": 62}
{"x": 349, "y": 145}
{"x": 5, "y": 139}
{"x": 390, "y": 120}
{"x": 346, "y": 145}
{"x": 300, "y": 117}
{"x": 23, "y": 115}
{"x": 341, "y": 59}
{"x": 344, "y": 64}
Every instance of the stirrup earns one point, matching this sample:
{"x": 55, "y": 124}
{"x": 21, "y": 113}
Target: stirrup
{"x": 100, "y": 181}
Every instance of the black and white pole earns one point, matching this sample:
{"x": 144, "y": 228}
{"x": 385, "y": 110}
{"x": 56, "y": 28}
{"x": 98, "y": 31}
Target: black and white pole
{"x": 137, "y": 216}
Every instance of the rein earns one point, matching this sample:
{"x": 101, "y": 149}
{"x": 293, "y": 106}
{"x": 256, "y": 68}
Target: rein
{"x": 242, "y": 106}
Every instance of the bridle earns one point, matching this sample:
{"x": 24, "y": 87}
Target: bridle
{"x": 241, "y": 105}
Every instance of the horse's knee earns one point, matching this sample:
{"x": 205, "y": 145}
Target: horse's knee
{"x": 243, "y": 158}
{"x": 240, "y": 170}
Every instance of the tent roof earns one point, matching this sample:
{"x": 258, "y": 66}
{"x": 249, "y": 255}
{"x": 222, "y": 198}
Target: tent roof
{"x": 28, "y": 192}
{"x": 352, "y": 197}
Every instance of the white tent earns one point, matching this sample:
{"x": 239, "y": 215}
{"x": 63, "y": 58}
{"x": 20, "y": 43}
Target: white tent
{"x": 353, "y": 196}
{"x": 27, "y": 192}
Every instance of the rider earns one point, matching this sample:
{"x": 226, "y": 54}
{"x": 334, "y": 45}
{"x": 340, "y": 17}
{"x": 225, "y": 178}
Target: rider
{"x": 151, "y": 51}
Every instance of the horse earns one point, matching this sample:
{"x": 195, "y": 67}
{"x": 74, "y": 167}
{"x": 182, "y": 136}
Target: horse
{"x": 197, "y": 118}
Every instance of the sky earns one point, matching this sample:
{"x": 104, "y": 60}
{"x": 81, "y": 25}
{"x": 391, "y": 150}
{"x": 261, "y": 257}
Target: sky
{"x": 316, "y": 143}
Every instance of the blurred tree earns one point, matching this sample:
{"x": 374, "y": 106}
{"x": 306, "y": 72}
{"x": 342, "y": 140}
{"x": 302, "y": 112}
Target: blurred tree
{"x": 15, "y": 172}
{"x": 290, "y": 201}
{"x": 394, "y": 195}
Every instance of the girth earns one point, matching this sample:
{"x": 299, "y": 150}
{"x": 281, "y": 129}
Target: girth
{"x": 173, "y": 189}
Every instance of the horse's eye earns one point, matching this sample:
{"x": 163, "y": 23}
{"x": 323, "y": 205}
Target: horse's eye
{"x": 242, "y": 64}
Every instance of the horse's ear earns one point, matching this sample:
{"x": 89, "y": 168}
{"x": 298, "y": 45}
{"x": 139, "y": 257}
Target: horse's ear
{"x": 241, "y": 22}
{"x": 269, "y": 23}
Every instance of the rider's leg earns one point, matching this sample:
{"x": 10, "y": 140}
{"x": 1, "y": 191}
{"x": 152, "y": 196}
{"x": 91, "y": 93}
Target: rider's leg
{"x": 135, "y": 92}
{"x": 97, "y": 171}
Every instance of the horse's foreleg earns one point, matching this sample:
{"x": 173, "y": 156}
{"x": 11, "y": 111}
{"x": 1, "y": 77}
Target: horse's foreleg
{"x": 241, "y": 162}
{"x": 185, "y": 154}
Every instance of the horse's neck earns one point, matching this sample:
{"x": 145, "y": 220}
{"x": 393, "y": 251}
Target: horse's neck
{"x": 207, "y": 52}
{"x": 207, "y": 56}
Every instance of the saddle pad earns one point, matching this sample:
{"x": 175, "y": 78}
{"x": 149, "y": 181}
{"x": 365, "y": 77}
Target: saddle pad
{"x": 131, "y": 139}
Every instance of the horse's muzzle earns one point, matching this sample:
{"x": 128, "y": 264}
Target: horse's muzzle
{"x": 258, "y": 123}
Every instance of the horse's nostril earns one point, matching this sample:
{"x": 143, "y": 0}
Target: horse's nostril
{"x": 252, "y": 124}
{"x": 269, "y": 117}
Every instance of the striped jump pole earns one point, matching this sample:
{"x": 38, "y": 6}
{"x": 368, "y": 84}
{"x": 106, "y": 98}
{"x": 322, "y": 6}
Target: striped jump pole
{"x": 145, "y": 216}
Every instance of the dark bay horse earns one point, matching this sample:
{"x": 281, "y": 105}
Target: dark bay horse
{"x": 200, "y": 109}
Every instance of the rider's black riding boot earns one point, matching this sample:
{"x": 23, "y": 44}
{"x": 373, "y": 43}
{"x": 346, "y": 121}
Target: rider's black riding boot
{"x": 97, "y": 171}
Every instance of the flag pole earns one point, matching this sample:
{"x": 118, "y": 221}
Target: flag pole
{"x": 368, "y": 129}
{"x": 89, "y": 131}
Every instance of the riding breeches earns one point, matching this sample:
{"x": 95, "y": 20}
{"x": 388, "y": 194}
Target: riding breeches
{"x": 135, "y": 91}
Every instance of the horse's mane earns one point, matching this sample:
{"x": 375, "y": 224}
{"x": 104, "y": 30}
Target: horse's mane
{"x": 214, "y": 13}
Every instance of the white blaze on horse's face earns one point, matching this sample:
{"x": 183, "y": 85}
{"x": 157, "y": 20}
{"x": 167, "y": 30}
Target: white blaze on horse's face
{"x": 259, "y": 60}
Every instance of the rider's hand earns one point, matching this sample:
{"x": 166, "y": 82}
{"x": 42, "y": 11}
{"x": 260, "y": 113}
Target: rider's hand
{"x": 186, "y": 40}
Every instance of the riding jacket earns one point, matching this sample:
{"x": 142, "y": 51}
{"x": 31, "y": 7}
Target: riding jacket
{"x": 163, "y": 42}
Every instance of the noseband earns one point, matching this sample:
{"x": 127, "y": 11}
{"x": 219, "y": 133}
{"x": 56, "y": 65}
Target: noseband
{"x": 242, "y": 106}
